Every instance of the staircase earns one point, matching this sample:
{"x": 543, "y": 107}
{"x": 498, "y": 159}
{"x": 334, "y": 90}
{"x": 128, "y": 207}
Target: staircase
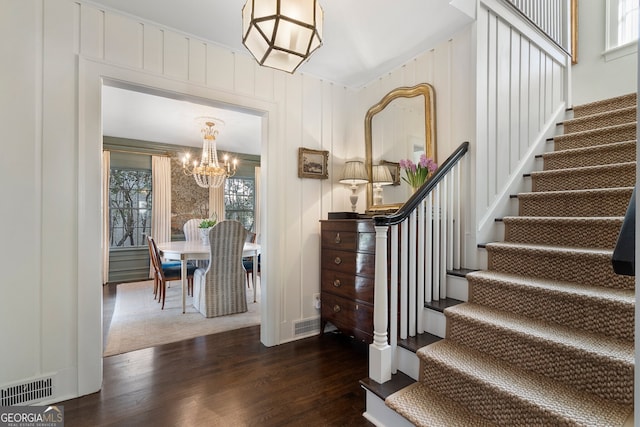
{"x": 547, "y": 334}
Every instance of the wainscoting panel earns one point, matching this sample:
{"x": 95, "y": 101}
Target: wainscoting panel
{"x": 153, "y": 51}
{"x": 220, "y": 67}
{"x": 92, "y": 33}
{"x": 176, "y": 55}
{"x": 124, "y": 40}
{"x": 197, "y": 61}
{"x": 521, "y": 88}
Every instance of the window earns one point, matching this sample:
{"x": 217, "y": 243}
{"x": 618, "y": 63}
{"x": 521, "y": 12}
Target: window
{"x": 239, "y": 200}
{"x": 622, "y": 27}
{"x": 129, "y": 207}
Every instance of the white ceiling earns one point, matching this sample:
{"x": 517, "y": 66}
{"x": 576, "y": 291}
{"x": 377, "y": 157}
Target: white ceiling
{"x": 362, "y": 40}
{"x": 149, "y": 117}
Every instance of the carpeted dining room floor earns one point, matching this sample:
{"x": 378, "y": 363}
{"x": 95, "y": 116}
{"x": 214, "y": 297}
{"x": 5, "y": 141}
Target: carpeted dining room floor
{"x": 138, "y": 321}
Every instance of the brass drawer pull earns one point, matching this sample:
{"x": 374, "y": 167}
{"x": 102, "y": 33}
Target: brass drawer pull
{"x": 337, "y": 240}
{"x": 337, "y": 283}
{"x": 338, "y": 260}
{"x": 336, "y": 308}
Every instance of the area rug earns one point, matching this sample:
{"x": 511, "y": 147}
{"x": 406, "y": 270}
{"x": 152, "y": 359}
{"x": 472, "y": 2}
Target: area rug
{"x": 138, "y": 322}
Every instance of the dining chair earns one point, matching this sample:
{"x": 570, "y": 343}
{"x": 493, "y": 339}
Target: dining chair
{"x": 219, "y": 289}
{"x": 247, "y": 262}
{"x": 165, "y": 272}
{"x": 191, "y": 230}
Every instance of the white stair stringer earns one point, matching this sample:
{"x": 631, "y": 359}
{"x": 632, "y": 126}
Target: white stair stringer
{"x": 380, "y": 414}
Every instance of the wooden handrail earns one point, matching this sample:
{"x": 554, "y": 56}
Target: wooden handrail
{"x": 623, "y": 259}
{"x": 413, "y": 202}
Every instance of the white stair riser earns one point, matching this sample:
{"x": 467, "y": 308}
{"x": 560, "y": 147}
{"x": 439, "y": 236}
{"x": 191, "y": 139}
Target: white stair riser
{"x": 457, "y": 288}
{"x": 381, "y": 415}
{"x": 408, "y": 362}
{"x": 434, "y": 322}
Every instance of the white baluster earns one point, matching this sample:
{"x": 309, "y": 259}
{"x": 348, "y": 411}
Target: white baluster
{"x": 404, "y": 279}
{"x": 437, "y": 215}
{"x": 412, "y": 274}
{"x": 444, "y": 238}
{"x": 429, "y": 246}
{"x": 421, "y": 268}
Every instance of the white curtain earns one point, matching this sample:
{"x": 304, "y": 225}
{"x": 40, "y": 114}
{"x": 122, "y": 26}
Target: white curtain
{"x": 161, "y": 197}
{"x": 216, "y": 202}
{"x": 161, "y": 190}
{"x": 106, "y": 169}
{"x": 256, "y": 207}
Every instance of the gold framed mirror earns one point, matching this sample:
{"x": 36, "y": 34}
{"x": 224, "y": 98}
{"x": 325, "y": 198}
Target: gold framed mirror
{"x": 404, "y": 127}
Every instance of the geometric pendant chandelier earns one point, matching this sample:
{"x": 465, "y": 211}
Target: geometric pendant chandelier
{"x": 282, "y": 34}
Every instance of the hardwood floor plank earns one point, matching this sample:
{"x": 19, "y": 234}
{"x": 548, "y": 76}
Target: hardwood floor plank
{"x": 230, "y": 379}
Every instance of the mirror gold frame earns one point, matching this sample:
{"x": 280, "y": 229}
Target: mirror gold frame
{"x": 422, "y": 89}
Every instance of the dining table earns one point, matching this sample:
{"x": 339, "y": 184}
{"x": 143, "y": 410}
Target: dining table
{"x": 195, "y": 250}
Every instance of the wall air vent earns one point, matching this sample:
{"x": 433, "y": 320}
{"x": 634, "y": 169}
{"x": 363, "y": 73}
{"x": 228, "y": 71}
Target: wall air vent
{"x": 26, "y": 393}
{"x": 306, "y": 327}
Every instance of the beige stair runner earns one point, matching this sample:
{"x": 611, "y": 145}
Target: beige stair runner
{"x": 547, "y": 336}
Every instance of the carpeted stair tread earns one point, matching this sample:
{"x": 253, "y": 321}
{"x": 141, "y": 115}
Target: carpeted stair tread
{"x": 597, "y": 232}
{"x": 599, "y": 310}
{"x": 588, "y": 138}
{"x": 572, "y": 203}
{"x": 604, "y": 105}
{"x": 510, "y": 396}
{"x": 600, "y": 119}
{"x": 425, "y": 408}
{"x": 588, "y": 177}
{"x": 578, "y": 265}
{"x": 617, "y": 152}
{"x": 590, "y": 362}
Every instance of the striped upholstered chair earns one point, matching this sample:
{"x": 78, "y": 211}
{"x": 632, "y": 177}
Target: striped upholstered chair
{"x": 219, "y": 290}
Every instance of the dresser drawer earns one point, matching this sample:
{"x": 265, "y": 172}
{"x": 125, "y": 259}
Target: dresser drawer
{"x": 347, "y": 285}
{"x": 348, "y": 262}
{"x": 341, "y": 240}
{"x": 352, "y": 317}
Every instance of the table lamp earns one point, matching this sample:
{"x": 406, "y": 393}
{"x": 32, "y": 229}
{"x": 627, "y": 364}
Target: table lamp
{"x": 354, "y": 174}
{"x": 381, "y": 176}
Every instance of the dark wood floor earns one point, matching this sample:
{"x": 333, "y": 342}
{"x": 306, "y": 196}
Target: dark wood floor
{"x": 230, "y": 379}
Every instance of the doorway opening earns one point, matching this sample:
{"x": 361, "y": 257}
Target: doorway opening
{"x": 137, "y": 124}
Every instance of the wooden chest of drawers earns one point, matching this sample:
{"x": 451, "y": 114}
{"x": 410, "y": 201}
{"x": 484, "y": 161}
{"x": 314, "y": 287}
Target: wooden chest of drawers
{"x": 347, "y": 276}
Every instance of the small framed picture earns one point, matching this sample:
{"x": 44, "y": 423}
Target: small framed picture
{"x": 313, "y": 163}
{"x": 394, "y": 168}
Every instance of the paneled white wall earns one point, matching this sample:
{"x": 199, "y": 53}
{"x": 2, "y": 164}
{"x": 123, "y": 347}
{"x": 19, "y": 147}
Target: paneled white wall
{"x": 61, "y": 50}
{"x": 522, "y": 91}
{"x": 21, "y": 193}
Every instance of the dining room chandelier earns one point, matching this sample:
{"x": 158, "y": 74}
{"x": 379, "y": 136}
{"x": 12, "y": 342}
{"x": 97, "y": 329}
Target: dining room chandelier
{"x": 282, "y": 34}
{"x": 208, "y": 171}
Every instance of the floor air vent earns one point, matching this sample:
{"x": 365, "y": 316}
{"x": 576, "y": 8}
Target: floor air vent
{"x": 26, "y": 393}
{"x": 306, "y": 327}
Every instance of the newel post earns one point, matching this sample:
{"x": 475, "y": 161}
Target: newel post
{"x": 380, "y": 351}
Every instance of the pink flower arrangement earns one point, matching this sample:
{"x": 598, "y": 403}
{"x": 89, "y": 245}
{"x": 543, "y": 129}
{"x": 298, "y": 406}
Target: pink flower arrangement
{"x": 416, "y": 175}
